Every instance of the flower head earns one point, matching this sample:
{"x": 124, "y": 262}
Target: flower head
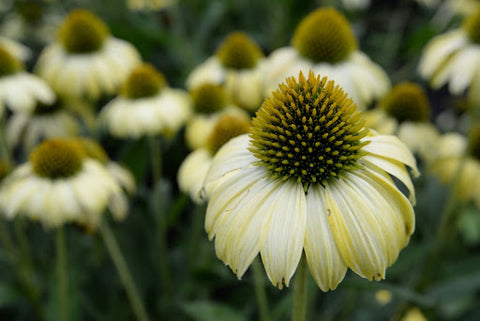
{"x": 20, "y": 90}
{"x": 278, "y": 193}
{"x": 238, "y": 51}
{"x": 407, "y": 102}
{"x": 82, "y": 32}
{"x": 309, "y": 131}
{"x": 324, "y": 43}
{"x": 59, "y": 184}
{"x": 405, "y": 112}
{"x": 237, "y": 66}
{"x": 448, "y": 59}
{"x": 192, "y": 171}
{"x": 146, "y": 106}
{"x": 86, "y": 61}
{"x": 325, "y": 35}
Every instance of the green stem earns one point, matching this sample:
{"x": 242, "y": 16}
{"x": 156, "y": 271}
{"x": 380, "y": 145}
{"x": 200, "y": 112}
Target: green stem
{"x": 260, "y": 290}
{"x": 195, "y": 233}
{"x": 25, "y": 271}
{"x": 62, "y": 278}
{"x": 123, "y": 272}
{"x": 300, "y": 292}
{"x": 156, "y": 154}
{"x": 161, "y": 222}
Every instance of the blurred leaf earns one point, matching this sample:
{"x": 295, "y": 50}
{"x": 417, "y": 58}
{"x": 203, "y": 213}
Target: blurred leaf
{"x": 209, "y": 311}
{"x": 8, "y": 294}
{"x": 462, "y": 285}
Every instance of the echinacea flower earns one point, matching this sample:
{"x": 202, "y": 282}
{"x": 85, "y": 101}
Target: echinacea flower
{"x": 59, "y": 184}
{"x": 237, "y": 65}
{"x": 455, "y": 160}
{"x": 194, "y": 168}
{"x": 452, "y": 59}
{"x": 324, "y": 43}
{"x": 405, "y": 112}
{"x": 20, "y": 90}
{"x": 86, "y": 61}
{"x": 310, "y": 178}
{"x": 210, "y": 101}
{"x": 45, "y": 121}
{"x": 146, "y": 106}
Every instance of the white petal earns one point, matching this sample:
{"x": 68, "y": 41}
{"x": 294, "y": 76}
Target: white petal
{"x": 239, "y": 237}
{"x": 390, "y": 146}
{"x": 231, "y": 157}
{"x": 323, "y": 257}
{"x": 284, "y": 232}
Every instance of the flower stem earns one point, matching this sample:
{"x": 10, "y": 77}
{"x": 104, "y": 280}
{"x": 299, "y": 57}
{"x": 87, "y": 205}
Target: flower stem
{"x": 300, "y": 292}
{"x": 156, "y": 158}
{"x": 260, "y": 291}
{"x": 161, "y": 222}
{"x": 123, "y": 272}
{"x": 25, "y": 271}
{"x": 196, "y": 229}
{"x": 62, "y": 279}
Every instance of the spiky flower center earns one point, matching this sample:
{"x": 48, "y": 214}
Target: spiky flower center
{"x": 56, "y": 158}
{"x": 309, "y": 130}
{"x": 8, "y": 63}
{"x": 471, "y": 25}
{"x": 82, "y": 32}
{"x": 227, "y": 127}
{"x": 239, "y": 51}
{"x": 47, "y": 109}
{"x": 91, "y": 149}
{"x": 324, "y": 35}
{"x": 208, "y": 98}
{"x": 143, "y": 81}
{"x": 407, "y": 102}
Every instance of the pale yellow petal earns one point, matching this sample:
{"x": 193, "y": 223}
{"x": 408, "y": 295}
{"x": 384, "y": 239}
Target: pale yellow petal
{"x": 324, "y": 260}
{"x": 284, "y": 233}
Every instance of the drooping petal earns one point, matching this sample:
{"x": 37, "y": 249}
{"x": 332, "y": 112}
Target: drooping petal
{"x": 239, "y": 237}
{"x": 367, "y": 223}
{"x": 390, "y": 146}
{"x": 284, "y": 233}
{"x": 323, "y": 257}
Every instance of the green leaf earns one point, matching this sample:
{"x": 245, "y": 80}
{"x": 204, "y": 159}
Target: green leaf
{"x": 8, "y": 294}
{"x": 209, "y": 311}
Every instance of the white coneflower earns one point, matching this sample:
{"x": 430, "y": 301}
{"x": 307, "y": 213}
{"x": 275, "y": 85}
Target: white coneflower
{"x": 324, "y": 43}
{"x": 146, "y": 106}
{"x": 86, "y": 61}
{"x": 237, "y": 65}
{"x": 453, "y": 152}
{"x": 59, "y": 184}
{"x": 453, "y": 58}
{"x": 210, "y": 101}
{"x": 310, "y": 178}
{"x": 405, "y": 112}
{"x": 194, "y": 168}
{"x": 19, "y": 90}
